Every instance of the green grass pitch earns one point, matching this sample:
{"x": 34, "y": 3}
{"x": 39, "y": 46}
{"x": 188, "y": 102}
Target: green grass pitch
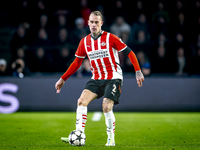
{"x": 156, "y": 131}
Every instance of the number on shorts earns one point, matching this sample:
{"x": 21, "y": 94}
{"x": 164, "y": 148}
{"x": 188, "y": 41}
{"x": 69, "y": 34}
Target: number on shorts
{"x": 114, "y": 88}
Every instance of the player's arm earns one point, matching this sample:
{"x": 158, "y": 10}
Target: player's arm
{"x": 70, "y": 71}
{"x": 131, "y": 55}
{"x": 122, "y": 47}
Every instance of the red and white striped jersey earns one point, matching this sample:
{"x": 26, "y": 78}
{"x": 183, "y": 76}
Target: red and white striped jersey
{"x": 103, "y": 55}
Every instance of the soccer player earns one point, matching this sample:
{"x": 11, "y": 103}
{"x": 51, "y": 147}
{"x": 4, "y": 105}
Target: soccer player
{"x": 102, "y": 49}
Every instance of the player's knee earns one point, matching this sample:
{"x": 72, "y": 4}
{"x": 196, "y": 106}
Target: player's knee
{"x": 105, "y": 108}
{"x": 81, "y": 102}
{"x": 107, "y": 105}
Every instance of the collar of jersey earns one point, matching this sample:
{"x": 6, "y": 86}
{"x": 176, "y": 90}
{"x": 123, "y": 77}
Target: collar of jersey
{"x": 97, "y": 36}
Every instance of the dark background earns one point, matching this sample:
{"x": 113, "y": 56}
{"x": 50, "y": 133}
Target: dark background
{"x": 166, "y": 86}
{"x": 17, "y": 14}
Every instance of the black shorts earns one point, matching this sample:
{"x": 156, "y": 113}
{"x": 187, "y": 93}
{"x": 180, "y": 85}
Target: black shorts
{"x": 107, "y": 88}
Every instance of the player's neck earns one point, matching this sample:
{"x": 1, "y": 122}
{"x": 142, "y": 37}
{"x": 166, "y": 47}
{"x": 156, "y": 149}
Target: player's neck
{"x": 96, "y": 35}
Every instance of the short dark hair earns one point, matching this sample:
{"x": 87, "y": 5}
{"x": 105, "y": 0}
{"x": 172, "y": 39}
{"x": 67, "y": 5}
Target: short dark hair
{"x": 97, "y": 13}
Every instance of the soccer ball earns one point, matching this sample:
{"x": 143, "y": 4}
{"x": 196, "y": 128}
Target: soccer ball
{"x": 77, "y": 138}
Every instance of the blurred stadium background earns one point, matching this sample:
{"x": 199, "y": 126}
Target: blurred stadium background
{"x": 38, "y": 40}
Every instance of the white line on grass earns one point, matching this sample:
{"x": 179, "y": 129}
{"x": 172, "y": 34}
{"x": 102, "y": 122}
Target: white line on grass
{"x": 96, "y": 116}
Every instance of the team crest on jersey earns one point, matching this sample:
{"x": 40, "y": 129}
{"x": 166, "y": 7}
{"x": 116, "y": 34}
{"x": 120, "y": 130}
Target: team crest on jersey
{"x": 103, "y": 44}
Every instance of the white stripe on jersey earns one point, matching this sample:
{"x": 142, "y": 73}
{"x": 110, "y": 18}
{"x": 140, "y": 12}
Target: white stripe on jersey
{"x": 99, "y": 43}
{"x": 85, "y": 43}
{"x": 123, "y": 49}
{"x": 79, "y": 56}
{"x": 110, "y": 59}
{"x": 95, "y": 60}
{"x": 116, "y": 74}
{"x": 87, "y": 51}
{"x": 119, "y": 70}
{"x": 116, "y": 57}
{"x": 102, "y": 62}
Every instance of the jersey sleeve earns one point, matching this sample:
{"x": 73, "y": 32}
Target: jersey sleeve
{"x": 80, "y": 52}
{"x": 117, "y": 43}
{"x": 72, "y": 68}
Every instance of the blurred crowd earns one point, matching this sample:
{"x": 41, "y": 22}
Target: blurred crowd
{"x": 164, "y": 35}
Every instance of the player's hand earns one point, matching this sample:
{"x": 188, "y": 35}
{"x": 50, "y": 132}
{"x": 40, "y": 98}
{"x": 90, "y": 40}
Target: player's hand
{"x": 139, "y": 78}
{"x": 59, "y": 85}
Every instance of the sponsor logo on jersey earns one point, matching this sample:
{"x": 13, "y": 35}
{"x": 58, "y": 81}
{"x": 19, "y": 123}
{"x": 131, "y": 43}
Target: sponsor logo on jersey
{"x": 98, "y": 54}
